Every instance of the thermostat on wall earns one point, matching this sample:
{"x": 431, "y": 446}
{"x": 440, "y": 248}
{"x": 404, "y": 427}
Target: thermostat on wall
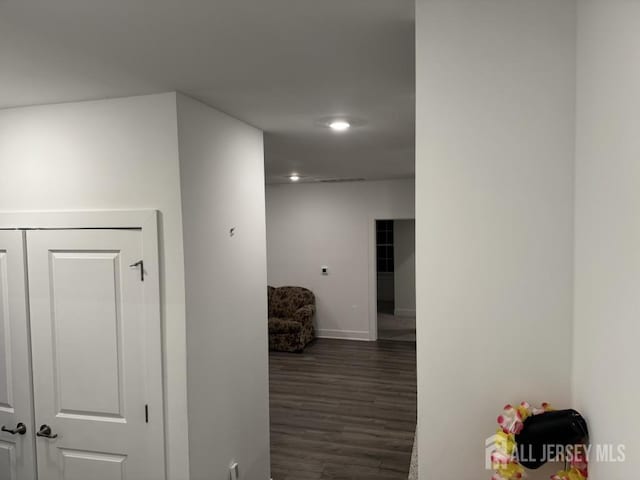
{"x": 325, "y": 270}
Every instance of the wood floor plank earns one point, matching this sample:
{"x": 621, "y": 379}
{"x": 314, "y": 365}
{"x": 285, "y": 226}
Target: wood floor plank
{"x": 343, "y": 410}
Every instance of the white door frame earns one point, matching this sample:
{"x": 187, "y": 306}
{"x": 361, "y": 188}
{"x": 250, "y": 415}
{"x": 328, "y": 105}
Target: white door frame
{"x": 22, "y": 457}
{"x": 147, "y": 222}
{"x": 373, "y": 277}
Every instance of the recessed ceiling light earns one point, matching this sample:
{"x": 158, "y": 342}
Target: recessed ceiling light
{"x": 338, "y": 122}
{"x": 339, "y": 125}
{"x": 294, "y": 177}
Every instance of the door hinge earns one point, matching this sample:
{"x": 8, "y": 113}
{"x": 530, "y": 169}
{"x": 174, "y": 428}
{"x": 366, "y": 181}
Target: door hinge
{"x": 140, "y": 264}
{"x": 146, "y": 414}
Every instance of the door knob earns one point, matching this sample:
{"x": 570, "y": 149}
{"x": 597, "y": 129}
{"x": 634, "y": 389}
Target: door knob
{"x": 20, "y": 429}
{"x": 45, "y": 431}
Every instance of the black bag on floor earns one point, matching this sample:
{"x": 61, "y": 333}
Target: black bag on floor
{"x": 561, "y": 427}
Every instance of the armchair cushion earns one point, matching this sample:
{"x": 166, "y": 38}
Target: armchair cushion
{"x": 286, "y": 300}
{"x": 291, "y": 311}
{"x": 284, "y": 325}
{"x": 304, "y": 314}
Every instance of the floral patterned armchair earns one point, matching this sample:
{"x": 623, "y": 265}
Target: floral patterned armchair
{"x": 291, "y": 312}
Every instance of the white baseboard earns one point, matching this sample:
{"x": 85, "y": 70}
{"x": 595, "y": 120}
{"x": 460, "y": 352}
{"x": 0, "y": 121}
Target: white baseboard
{"x": 343, "y": 334}
{"x": 404, "y": 312}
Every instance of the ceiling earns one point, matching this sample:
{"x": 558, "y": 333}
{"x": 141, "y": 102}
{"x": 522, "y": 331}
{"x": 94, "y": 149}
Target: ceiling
{"x": 280, "y": 65}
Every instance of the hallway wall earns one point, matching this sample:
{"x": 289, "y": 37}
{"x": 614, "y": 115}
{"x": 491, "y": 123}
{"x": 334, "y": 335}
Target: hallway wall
{"x": 110, "y": 155}
{"x": 132, "y": 153}
{"x": 222, "y": 175}
{"x": 607, "y": 257}
{"x": 494, "y": 217}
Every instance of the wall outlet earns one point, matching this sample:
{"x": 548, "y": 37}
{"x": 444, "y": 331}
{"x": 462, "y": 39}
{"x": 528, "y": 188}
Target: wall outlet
{"x": 233, "y": 470}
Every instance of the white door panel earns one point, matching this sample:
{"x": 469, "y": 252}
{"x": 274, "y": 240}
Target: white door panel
{"x": 79, "y": 465}
{"x": 17, "y": 455}
{"x": 88, "y": 325}
{"x": 89, "y": 341}
{"x": 8, "y": 467}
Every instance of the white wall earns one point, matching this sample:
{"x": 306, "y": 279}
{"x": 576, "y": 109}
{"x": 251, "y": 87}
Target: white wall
{"x": 404, "y": 248}
{"x": 494, "y": 183}
{"x": 109, "y": 155}
{"x": 222, "y": 169}
{"x": 311, "y": 225}
{"x": 607, "y": 271}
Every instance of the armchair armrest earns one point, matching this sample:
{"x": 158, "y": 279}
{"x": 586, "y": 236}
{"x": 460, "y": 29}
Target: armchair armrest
{"x": 304, "y": 314}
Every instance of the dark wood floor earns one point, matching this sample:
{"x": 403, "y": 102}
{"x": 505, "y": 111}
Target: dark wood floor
{"x": 343, "y": 410}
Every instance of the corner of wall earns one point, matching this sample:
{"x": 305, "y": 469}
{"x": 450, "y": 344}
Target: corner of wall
{"x": 222, "y": 194}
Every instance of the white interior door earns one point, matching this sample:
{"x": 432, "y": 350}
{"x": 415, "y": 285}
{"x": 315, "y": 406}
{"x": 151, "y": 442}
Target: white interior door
{"x": 17, "y": 459}
{"x": 93, "y": 382}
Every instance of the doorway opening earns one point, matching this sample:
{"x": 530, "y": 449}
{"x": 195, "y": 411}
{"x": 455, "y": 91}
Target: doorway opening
{"x": 396, "y": 280}
{"x": 344, "y": 407}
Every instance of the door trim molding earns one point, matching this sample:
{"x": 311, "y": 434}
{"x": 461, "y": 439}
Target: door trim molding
{"x": 147, "y": 221}
{"x": 94, "y": 219}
